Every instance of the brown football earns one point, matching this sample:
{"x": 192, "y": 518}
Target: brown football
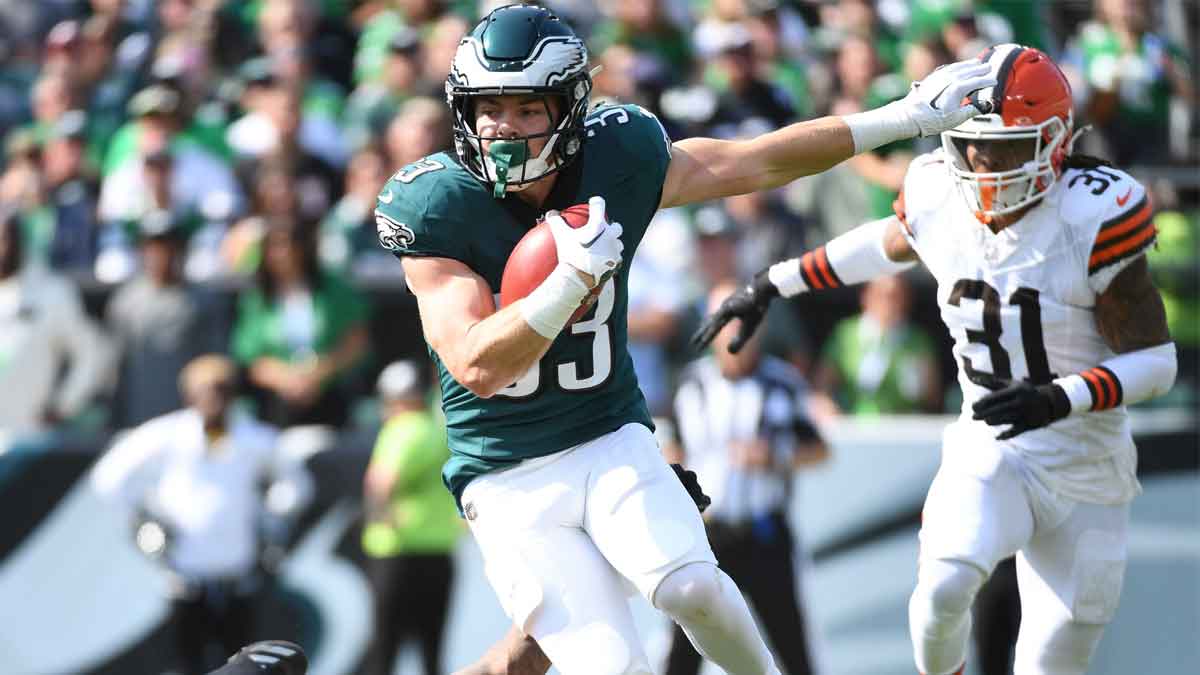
{"x": 535, "y": 257}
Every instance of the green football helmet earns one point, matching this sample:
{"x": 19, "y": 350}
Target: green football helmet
{"x": 518, "y": 49}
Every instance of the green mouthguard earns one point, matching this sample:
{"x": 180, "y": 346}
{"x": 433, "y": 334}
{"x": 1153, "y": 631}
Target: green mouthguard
{"x": 505, "y": 155}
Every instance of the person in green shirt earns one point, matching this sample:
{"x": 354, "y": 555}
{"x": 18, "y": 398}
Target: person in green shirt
{"x": 1132, "y": 73}
{"x": 878, "y": 363}
{"x": 300, "y": 332}
{"x": 412, "y": 523}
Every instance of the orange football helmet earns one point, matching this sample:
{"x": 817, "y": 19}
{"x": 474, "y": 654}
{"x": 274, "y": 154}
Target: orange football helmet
{"x": 1031, "y": 101}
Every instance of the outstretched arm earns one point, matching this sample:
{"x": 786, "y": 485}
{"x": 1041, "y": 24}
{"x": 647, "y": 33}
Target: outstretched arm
{"x": 875, "y": 249}
{"x": 704, "y": 168}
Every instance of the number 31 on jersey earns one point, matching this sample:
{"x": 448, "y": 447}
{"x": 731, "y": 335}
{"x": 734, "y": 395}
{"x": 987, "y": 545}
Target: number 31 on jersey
{"x": 1025, "y": 303}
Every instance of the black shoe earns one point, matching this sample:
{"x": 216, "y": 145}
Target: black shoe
{"x": 274, "y": 657}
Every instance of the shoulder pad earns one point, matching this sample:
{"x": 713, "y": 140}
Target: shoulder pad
{"x": 1090, "y": 196}
{"x": 631, "y": 130}
{"x": 927, "y": 186}
{"x": 416, "y": 200}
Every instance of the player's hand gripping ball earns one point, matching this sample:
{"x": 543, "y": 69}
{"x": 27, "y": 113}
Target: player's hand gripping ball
{"x": 537, "y": 254}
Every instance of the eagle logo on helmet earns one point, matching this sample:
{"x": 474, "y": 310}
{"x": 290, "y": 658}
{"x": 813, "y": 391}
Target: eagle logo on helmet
{"x": 1030, "y": 101}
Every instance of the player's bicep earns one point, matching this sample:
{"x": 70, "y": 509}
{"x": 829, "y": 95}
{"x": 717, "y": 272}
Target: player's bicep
{"x": 451, "y": 298}
{"x": 707, "y": 168}
{"x": 1130, "y": 314}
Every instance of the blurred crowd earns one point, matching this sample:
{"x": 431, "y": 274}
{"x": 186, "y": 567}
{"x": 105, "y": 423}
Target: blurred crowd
{"x": 205, "y": 171}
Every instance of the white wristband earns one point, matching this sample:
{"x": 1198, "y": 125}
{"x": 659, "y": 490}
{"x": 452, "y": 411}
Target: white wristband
{"x": 1077, "y": 393}
{"x": 874, "y": 128}
{"x": 786, "y": 277}
{"x": 549, "y": 306}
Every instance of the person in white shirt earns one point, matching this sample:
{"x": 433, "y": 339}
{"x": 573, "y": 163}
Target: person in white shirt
{"x": 43, "y": 328}
{"x": 199, "y": 472}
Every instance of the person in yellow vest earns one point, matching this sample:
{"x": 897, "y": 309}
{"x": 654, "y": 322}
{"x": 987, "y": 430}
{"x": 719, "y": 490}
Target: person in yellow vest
{"x": 412, "y": 524}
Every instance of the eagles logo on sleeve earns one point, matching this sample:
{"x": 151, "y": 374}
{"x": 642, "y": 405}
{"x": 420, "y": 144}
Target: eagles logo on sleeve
{"x": 393, "y": 235}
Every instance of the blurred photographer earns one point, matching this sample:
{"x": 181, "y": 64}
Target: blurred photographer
{"x": 210, "y": 496}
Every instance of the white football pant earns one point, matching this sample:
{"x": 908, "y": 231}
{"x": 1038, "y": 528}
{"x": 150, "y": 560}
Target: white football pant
{"x": 985, "y": 506}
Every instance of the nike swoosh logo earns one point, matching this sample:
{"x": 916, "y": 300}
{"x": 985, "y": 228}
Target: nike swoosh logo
{"x": 386, "y": 196}
{"x": 588, "y": 244}
{"x": 1121, "y": 200}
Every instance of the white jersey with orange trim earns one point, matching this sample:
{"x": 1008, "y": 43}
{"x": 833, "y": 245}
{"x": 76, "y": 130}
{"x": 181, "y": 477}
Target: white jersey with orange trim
{"x": 1019, "y": 304}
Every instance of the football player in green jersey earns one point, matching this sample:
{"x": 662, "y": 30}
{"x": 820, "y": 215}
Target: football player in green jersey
{"x": 553, "y": 461}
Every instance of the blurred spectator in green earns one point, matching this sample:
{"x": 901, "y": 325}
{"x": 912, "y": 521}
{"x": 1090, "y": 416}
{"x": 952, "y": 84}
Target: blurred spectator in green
{"x": 967, "y": 27}
{"x": 879, "y": 362}
{"x": 412, "y": 524}
{"x": 22, "y": 193}
{"x": 1131, "y": 74}
{"x": 347, "y": 233}
{"x": 300, "y": 332}
{"x": 374, "y": 103}
{"x": 159, "y": 323}
{"x": 645, "y": 26}
{"x": 378, "y": 30}
{"x": 283, "y": 79}
{"x": 196, "y": 180}
{"x": 52, "y": 194}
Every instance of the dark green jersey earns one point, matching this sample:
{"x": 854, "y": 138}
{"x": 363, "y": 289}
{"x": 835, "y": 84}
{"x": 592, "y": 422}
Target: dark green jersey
{"x": 584, "y": 386}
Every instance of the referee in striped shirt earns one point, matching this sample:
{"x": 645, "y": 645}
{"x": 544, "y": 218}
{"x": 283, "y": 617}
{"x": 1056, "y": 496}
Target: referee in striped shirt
{"x": 743, "y": 427}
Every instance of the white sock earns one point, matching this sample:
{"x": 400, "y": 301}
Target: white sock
{"x": 706, "y": 603}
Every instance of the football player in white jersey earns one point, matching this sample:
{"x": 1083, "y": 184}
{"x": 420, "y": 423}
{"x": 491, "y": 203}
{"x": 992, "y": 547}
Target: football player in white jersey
{"x": 1042, "y": 282}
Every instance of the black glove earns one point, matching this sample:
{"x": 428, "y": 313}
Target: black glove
{"x": 749, "y": 304}
{"x": 271, "y": 657}
{"x": 1024, "y": 405}
{"x": 688, "y": 478}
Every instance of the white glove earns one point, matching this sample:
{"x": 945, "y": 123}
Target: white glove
{"x": 935, "y": 103}
{"x": 594, "y": 249}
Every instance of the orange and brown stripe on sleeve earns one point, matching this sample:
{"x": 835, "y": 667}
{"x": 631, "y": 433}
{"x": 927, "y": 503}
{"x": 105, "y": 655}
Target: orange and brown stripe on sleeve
{"x": 818, "y": 274}
{"x": 1124, "y": 236}
{"x": 1104, "y": 386}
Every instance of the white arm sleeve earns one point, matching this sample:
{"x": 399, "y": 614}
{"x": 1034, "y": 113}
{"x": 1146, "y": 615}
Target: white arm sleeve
{"x": 1127, "y": 378}
{"x": 851, "y": 258}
